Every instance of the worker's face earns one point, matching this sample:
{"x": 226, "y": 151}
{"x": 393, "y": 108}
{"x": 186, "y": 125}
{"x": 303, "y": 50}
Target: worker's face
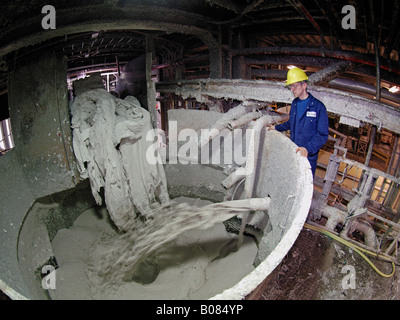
{"x": 298, "y": 88}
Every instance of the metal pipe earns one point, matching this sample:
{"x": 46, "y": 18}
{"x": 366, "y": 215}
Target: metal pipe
{"x": 331, "y": 72}
{"x": 371, "y": 145}
{"x": 246, "y": 118}
{"x": 365, "y": 228}
{"x": 234, "y": 177}
{"x": 378, "y": 71}
{"x": 376, "y": 49}
{"x": 253, "y": 150}
{"x": 252, "y": 155}
{"x": 336, "y": 54}
{"x": 338, "y": 83}
{"x": 329, "y": 179}
{"x": 223, "y": 123}
{"x": 251, "y": 167}
{"x": 6, "y": 137}
{"x": 117, "y": 63}
{"x": 352, "y": 85}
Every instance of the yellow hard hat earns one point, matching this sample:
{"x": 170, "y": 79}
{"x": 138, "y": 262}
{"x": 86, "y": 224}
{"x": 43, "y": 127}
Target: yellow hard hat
{"x": 295, "y": 75}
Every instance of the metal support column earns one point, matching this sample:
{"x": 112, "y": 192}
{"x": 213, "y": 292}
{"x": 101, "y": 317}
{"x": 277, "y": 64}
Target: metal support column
{"x": 330, "y": 177}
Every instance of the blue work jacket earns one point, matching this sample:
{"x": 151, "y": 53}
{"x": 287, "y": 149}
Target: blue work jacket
{"x": 310, "y": 129}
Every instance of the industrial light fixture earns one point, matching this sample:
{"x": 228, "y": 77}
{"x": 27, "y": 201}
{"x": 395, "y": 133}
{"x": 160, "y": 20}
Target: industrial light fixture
{"x": 394, "y": 89}
{"x": 6, "y": 137}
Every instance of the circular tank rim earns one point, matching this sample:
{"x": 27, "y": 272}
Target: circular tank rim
{"x": 250, "y": 282}
{"x": 10, "y": 292}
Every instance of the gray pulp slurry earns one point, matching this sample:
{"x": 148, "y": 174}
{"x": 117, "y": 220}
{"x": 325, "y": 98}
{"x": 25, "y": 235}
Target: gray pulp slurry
{"x": 172, "y": 242}
{"x": 187, "y": 267}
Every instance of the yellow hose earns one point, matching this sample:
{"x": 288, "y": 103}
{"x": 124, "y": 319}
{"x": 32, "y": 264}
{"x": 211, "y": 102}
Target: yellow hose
{"x": 355, "y": 248}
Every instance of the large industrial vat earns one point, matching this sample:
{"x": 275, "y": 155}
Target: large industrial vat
{"x": 30, "y": 219}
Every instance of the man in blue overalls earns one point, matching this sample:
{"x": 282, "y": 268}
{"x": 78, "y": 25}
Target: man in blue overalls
{"x": 308, "y": 119}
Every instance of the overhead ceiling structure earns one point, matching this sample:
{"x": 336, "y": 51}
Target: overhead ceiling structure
{"x": 204, "y": 34}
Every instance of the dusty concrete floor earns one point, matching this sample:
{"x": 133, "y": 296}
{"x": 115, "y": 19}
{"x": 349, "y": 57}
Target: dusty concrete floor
{"x": 319, "y": 268}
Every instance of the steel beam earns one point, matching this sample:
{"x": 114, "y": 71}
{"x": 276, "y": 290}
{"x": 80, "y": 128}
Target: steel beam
{"x": 348, "y": 105}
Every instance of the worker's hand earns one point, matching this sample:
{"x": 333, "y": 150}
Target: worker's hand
{"x": 303, "y": 151}
{"x": 270, "y": 127}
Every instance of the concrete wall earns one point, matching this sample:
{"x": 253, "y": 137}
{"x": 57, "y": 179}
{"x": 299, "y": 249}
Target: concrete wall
{"x": 41, "y": 162}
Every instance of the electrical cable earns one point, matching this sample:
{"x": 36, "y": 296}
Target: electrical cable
{"x": 356, "y": 248}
